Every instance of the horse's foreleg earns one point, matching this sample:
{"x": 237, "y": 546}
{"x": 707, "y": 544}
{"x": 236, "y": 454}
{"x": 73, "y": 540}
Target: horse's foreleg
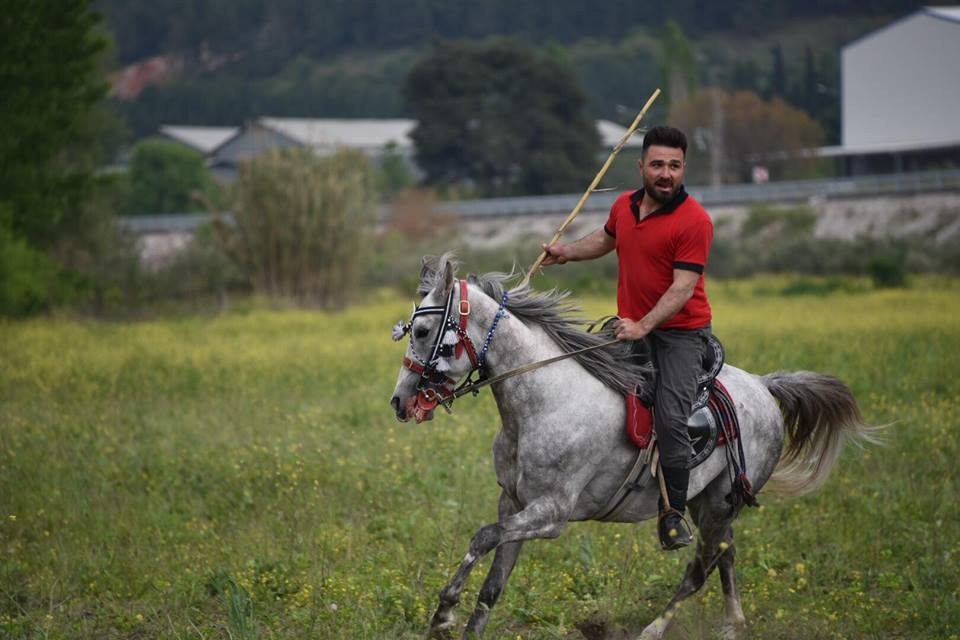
{"x": 543, "y": 518}
{"x": 709, "y": 552}
{"x": 504, "y": 559}
{"x": 734, "y": 619}
{"x": 483, "y": 541}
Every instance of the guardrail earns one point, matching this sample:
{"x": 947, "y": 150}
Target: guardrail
{"x": 725, "y": 195}
{"x": 801, "y": 190}
{"x": 169, "y": 222}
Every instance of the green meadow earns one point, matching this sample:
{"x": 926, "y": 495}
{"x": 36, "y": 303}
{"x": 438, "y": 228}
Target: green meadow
{"x": 242, "y": 476}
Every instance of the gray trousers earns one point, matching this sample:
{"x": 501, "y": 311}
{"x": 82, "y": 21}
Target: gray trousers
{"x": 678, "y": 356}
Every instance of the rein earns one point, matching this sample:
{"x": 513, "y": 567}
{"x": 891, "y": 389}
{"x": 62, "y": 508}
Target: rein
{"x": 474, "y": 387}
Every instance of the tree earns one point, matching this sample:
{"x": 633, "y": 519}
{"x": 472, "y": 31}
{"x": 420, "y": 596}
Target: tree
{"x": 602, "y": 67}
{"x": 501, "y": 116}
{"x": 394, "y": 173}
{"x": 166, "y": 177}
{"x": 50, "y": 83}
{"x": 754, "y": 132}
{"x": 678, "y": 64}
{"x": 778, "y": 73}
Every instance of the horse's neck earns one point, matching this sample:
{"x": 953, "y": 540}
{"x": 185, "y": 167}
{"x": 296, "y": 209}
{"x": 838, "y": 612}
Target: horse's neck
{"x": 514, "y": 344}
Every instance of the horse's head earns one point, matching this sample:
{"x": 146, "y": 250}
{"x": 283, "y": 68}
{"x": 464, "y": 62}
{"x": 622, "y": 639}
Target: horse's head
{"x": 436, "y": 357}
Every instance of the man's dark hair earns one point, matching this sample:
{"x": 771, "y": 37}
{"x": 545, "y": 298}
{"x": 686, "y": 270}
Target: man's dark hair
{"x": 664, "y": 136}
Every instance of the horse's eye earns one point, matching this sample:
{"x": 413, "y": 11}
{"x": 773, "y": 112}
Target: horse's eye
{"x": 420, "y": 332}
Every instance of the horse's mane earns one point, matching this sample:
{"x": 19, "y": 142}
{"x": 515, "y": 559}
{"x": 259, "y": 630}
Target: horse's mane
{"x": 558, "y": 316}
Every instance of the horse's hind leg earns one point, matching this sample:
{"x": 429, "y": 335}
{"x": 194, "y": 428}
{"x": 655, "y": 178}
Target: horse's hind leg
{"x": 711, "y": 546}
{"x": 734, "y": 620}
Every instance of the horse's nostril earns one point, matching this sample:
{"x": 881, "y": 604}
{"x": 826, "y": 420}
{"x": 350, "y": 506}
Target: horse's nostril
{"x": 395, "y": 403}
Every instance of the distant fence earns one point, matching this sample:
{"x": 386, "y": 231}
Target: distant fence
{"x": 725, "y": 195}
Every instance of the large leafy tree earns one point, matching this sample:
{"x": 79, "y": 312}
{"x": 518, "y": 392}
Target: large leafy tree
{"x": 50, "y": 80}
{"x": 166, "y": 177}
{"x": 753, "y": 132}
{"x": 500, "y": 116}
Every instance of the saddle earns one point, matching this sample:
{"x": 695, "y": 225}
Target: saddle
{"x": 712, "y": 415}
{"x": 712, "y": 422}
{"x": 707, "y": 416}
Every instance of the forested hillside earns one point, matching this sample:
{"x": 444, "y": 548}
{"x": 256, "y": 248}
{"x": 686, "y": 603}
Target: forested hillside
{"x": 235, "y": 59}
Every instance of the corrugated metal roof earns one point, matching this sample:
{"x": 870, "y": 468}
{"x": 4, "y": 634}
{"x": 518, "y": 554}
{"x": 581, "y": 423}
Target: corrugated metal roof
{"x": 354, "y": 132}
{"x": 376, "y": 133}
{"x": 203, "y": 139}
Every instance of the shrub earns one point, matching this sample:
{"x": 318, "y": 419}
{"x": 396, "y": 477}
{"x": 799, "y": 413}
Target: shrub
{"x": 166, "y": 177}
{"x": 299, "y": 220}
{"x": 201, "y": 268}
{"x": 888, "y": 267}
{"x": 28, "y": 278}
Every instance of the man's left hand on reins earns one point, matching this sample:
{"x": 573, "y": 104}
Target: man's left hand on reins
{"x": 627, "y": 329}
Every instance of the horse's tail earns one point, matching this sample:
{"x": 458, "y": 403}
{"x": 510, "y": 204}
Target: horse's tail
{"x": 820, "y": 414}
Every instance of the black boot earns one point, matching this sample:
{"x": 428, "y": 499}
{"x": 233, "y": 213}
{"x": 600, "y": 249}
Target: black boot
{"x": 673, "y": 531}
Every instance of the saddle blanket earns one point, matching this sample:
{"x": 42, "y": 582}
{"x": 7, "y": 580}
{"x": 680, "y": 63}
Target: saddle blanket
{"x": 721, "y": 406}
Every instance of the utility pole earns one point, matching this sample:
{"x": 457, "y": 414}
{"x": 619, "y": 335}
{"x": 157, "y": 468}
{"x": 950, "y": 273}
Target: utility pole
{"x": 716, "y": 133}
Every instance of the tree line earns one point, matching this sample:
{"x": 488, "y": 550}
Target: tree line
{"x": 369, "y": 83}
{"x": 277, "y": 30}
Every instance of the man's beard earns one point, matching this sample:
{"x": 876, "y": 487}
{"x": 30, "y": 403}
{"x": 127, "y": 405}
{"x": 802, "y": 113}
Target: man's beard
{"x": 654, "y": 191}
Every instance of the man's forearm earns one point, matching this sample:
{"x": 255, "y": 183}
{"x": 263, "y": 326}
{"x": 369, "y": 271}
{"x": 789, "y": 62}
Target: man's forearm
{"x": 590, "y": 246}
{"x": 667, "y": 306}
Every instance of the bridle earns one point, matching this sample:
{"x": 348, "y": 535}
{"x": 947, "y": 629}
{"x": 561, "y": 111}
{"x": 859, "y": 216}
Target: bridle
{"x": 434, "y": 386}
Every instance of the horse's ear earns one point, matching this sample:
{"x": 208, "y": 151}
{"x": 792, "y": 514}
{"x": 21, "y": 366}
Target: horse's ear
{"x": 437, "y": 274}
{"x": 447, "y": 280}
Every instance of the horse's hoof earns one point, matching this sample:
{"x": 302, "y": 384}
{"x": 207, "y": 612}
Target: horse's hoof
{"x": 438, "y": 633}
{"x": 655, "y": 630}
{"x": 731, "y": 630}
{"x": 441, "y": 627}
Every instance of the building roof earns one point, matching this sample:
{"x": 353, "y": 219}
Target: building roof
{"x": 892, "y": 147}
{"x": 947, "y": 13}
{"x": 377, "y": 133}
{"x": 611, "y": 134}
{"x": 203, "y": 139}
{"x": 358, "y": 133}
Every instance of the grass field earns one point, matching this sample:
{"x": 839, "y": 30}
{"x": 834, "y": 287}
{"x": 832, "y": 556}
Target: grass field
{"x": 242, "y": 476}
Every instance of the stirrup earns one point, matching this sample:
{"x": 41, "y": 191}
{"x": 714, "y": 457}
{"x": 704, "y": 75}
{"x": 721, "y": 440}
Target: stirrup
{"x": 683, "y": 536}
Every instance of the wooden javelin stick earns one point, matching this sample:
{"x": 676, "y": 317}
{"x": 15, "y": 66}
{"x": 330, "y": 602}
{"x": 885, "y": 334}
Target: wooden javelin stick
{"x": 596, "y": 181}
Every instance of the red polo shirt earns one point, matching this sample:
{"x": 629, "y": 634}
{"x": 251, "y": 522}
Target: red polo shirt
{"x": 676, "y": 236}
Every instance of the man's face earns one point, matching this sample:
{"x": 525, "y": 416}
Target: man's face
{"x": 662, "y": 170}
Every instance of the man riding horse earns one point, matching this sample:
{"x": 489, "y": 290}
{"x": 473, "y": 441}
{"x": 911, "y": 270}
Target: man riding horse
{"x": 662, "y": 237}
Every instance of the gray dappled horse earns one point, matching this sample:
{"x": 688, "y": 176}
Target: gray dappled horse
{"x": 561, "y": 451}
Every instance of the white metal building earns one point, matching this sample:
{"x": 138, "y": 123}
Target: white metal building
{"x": 901, "y": 93}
